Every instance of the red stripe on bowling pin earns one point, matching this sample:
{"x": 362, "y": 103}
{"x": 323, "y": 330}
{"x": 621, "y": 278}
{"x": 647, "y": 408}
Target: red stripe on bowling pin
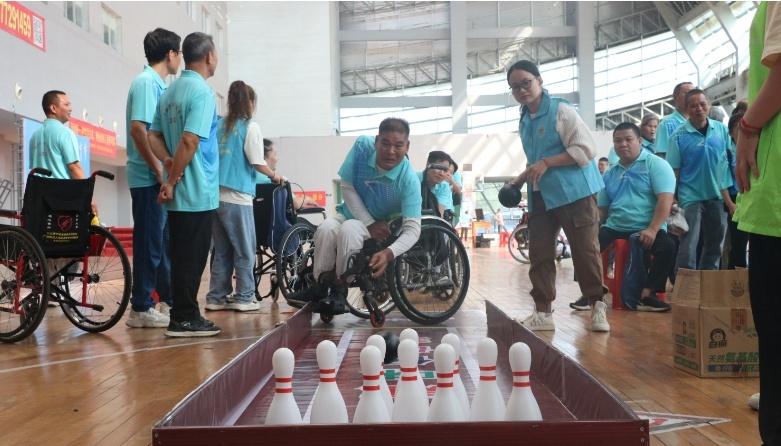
{"x": 283, "y": 385}
{"x": 488, "y": 373}
{"x": 521, "y": 379}
{"x": 327, "y": 375}
{"x": 371, "y": 383}
{"x": 445, "y": 379}
{"x": 409, "y": 373}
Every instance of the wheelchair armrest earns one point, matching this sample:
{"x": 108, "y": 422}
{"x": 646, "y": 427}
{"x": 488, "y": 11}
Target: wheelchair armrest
{"x": 305, "y": 211}
{"x": 9, "y": 213}
{"x": 104, "y": 174}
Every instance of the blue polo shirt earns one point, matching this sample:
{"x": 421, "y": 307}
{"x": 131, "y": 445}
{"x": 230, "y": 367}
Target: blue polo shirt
{"x": 145, "y": 92}
{"x": 667, "y": 126}
{"x": 261, "y": 178}
{"x": 630, "y": 193}
{"x": 386, "y": 194}
{"x": 189, "y": 106}
{"x": 441, "y": 191}
{"x": 702, "y": 160}
{"x": 54, "y": 147}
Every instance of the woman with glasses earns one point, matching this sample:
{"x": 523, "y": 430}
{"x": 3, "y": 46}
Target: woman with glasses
{"x": 563, "y": 181}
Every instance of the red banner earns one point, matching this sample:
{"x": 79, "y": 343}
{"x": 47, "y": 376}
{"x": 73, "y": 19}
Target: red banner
{"x": 102, "y": 142}
{"x": 23, "y": 23}
{"x": 318, "y": 196}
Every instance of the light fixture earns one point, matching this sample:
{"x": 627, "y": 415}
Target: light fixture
{"x": 115, "y": 126}
{"x": 18, "y": 91}
{"x": 100, "y": 121}
{"x": 84, "y": 114}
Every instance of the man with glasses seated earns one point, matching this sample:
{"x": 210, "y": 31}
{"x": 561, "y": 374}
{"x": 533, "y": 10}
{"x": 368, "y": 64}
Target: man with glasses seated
{"x": 435, "y": 190}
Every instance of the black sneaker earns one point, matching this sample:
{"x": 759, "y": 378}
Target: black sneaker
{"x": 335, "y": 303}
{"x": 189, "y": 329}
{"x": 313, "y": 293}
{"x": 581, "y": 304}
{"x": 651, "y": 303}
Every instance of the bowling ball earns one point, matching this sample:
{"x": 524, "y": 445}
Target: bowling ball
{"x": 510, "y": 196}
{"x": 391, "y": 347}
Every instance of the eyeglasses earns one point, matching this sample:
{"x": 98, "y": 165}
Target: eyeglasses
{"x": 523, "y": 85}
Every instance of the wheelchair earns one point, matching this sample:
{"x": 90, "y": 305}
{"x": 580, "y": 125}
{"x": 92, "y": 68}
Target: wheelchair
{"x": 281, "y": 232}
{"x": 58, "y": 256}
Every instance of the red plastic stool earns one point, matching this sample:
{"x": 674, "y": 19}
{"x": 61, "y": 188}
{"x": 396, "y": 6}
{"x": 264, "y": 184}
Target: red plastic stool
{"x": 504, "y": 237}
{"x": 621, "y": 249}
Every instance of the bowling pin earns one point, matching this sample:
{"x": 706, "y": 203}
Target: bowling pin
{"x": 412, "y": 335}
{"x": 445, "y": 405}
{"x": 522, "y": 406}
{"x": 371, "y": 406}
{"x": 454, "y": 341}
{"x": 410, "y": 404}
{"x": 327, "y": 405}
{"x": 283, "y": 409}
{"x": 488, "y": 404}
{"x": 379, "y": 342}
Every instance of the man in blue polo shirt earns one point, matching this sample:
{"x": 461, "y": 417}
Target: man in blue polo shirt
{"x": 434, "y": 178}
{"x": 378, "y": 184}
{"x": 698, "y": 153}
{"x": 637, "y": 198}
{"x": 54, "y": 146}
{"x": 183, "y": 135}
{"x": 670, "y": 123}
{"x": 151, "y": 266}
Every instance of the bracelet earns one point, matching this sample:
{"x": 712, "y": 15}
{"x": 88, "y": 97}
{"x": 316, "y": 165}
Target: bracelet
{"x": 748, "y": 128}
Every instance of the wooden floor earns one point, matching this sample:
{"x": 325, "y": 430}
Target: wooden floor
{"x": 65, "y": 387}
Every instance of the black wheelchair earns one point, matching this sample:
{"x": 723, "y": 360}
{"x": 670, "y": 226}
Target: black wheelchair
{"x": 91, "y": 279}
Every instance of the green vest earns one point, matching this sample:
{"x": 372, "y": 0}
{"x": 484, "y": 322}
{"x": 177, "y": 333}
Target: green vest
{"x": 759, "y": 210}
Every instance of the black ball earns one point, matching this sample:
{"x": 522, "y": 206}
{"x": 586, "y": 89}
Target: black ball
{"x": 510, "y": 196}
{"x": 391, "y": 347}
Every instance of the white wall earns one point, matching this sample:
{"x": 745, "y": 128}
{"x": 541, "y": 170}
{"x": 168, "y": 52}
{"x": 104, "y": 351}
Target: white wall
{"x": 286, "y": 52}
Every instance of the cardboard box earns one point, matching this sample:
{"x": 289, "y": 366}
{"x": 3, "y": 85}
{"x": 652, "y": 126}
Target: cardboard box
{"x": 713, "y": 329}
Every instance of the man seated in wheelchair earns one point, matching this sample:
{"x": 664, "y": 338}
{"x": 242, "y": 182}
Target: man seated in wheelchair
{"x": 378, "y": 184}
{"x": 435, "y": 189}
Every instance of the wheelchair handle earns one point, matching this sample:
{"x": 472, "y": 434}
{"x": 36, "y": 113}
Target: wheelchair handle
{"x": 40, "y": 170}
{"x": 104, "y": 174}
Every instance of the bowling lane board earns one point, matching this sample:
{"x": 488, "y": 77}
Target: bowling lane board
{"x": 233, "y": 402}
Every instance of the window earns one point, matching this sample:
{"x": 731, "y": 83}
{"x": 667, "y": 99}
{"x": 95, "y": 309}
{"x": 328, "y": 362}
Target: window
{"x": 219, "y": 35}
{"x": 76, "y": 12}
{"x": 111, "y": 28}
{"x": 191, "y": 10}
{"x": 206, "y": 25}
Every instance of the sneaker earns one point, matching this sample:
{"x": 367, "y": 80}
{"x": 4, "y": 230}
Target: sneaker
{"x": 753, "y": 401}
{"x": 216, "y": 306}
{"x": 312, "y": 293}
{"x": 243, "y": 306}
{"x": 582, "y": 304}
{"x": 335, "y": 303}
{"x": 599, "y": 317}
{"x": 164, "y": 308}
{"x": 189, "y": 329}
{"x": 150, "y": 318}
{"x": 539, "y": 321}
{"x": 651, "y": 303}
{"x": 444, "y": 282}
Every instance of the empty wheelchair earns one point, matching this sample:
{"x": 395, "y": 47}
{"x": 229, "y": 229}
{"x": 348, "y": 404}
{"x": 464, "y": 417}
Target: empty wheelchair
{"x": 88, "y": 270}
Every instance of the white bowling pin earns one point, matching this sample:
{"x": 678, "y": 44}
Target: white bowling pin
{"x": 371, "y": 407}
{"x": 445, "y": 405}
{"x": 522, "y": 406}
{"x": 410, "y": 404}
{"x": 283, "y": 409}
{"x": 379, "y": 342}
{"x": 488, "y": 404}
{"x": 327, "y": 405}
{"x": 454, "y": 341}
{"x": 412, "y": 335}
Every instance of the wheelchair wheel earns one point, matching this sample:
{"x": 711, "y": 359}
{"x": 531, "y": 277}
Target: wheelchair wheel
{"x": 24, "y": 284}
{"x": 295, "y": 259}
{"x": 98, "y": 302}
{"x": 430, "y": 280}
{"x": 518, "y": 244}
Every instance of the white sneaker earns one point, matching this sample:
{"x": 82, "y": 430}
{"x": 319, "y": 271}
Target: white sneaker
{"x": 164, "y": 308}
{"x": 753, "y": 401}
{"x": 599, "y": 317}
{"x": 539, "y": 321}
{"x": 150, "y": 318}
{"x": 216, "y": 307}
{"x": 243, "y": 306}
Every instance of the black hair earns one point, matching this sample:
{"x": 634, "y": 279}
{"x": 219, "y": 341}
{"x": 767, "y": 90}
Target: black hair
{"x": 267, "y": 145}
{"x": 394, "y": 125}
{"x": 734, "y": 120}
{"x": 604, "y": 159}
{"x": 455, "y": 164}
{"x": 628, "y": 126}
{"x": 678, "y": 87}
{"x": 196, "y": 47}
{"x": 694, "y": 92}
{"x": 436, "y": 156}
{"x": 50, "y": 98}
{"x": 158, "y": 43}
{"x": 525, "y": 65}
{"x": 740, "y": 107}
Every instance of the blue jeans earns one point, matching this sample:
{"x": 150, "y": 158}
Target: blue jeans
{"x": 151, "y": 264}
{"x": 233, "y": 232}
{"x": 709, "y": 217}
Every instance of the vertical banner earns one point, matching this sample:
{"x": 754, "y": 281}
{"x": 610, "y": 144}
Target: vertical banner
{"x": 23, "y": 24}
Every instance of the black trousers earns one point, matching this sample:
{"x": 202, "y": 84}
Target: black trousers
{"x": 663, "y": 252}
{"x": 766, "y": 309}
{"x": 190, "y": 236}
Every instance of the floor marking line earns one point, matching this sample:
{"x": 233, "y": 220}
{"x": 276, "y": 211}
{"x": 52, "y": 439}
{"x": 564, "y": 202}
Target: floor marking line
{"x": 470, "y": 363}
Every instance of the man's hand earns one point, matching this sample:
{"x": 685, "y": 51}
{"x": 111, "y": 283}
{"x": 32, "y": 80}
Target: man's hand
{"x": 747, "y": 160}
{"x": 166, "y": 193}
{"x": 379, "y": 262}
{"x": 535, "y": 172}
{"x": 647, "y": 237}
{"x": 518, "y": 181}
{"x": 379, "y": 230}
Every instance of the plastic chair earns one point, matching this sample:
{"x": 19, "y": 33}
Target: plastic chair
{"x": 620, "y": 248}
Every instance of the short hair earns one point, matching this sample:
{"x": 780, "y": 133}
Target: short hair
{"x": 158, "y": 43}
{"x": 196, "y": 47}
{"x": 604, "y": 159}
{"x": 267, "y": 143}
{"x": 455, "y": 164}
{"x": 678, "y": 87}
{"x": 628, "y": 126}
{"x": 695, "y": 92}
{"x": 734, "y": 120}
{"x": 437, "y": 155}
{"x": 50, "y": 98}
{"x": 648, "y": 118}
{"x": 394, "y": 125}
{"x": 525, "y": 65}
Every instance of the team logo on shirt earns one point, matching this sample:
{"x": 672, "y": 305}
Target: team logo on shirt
{"x": 65, "y": 222}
